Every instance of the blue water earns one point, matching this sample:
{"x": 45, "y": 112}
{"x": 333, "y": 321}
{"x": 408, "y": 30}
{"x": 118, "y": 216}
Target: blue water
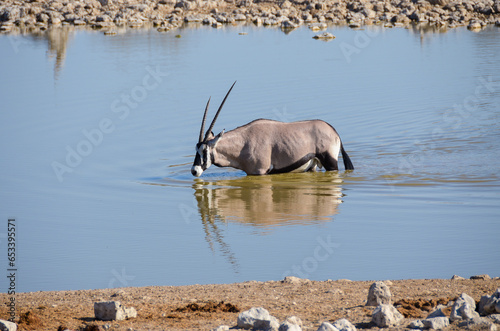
{"x": 98, "y": 135}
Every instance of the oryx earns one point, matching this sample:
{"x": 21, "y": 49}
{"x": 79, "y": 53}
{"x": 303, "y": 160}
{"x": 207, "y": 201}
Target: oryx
{"x": 268, "y": 147}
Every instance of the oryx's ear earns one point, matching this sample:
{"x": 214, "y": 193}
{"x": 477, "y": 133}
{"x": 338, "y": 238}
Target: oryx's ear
{"x": 210, "y": 136}
{"x": 212, "y": 143}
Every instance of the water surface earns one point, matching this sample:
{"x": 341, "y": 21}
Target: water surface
{"x": 98, "y": 135}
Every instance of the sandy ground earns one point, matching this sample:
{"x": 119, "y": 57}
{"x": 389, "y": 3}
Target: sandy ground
{"x": 200, "y": 307}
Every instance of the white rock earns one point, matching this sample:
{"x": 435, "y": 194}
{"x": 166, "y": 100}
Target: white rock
{"x": 464, "y": 308}
{"x": 479, "y": 323}
{"x": 113, "y": 310}
{"x": 292, "y": 323}
{"x": 192, "y": 19}
{"x": 324, "y": 35}
{"x": 7, "y": 325}
{"x": 368, "y": 13}
{"x": 240, "y": 17}
{"x": 325, "y": 326}
{"x": 286, "y": 326}
{"x": 378, "y": 294}
{"x": 294, "y": 320}
{"x": 457, "y": 277}
{"x": 438, "y": 312}
{"x": 295, "y": 280}
{"x": 209, "y": 20}
{"x": 344, "y": 325}
{"x": 317, "y": 26}
{"x": 495, "y": 318}
{"x": 417, "y": 324}
{"x": 257, "y": 319}
{"x": 386, "y": 316}
{"x": 490, "y": 304}
{"x": 484, "y": 276}
{"x": 436, "y": 323}
{"x": 288, "y": 25}
{"x": 221, "y": 328}
{"x": 130, "y": 312}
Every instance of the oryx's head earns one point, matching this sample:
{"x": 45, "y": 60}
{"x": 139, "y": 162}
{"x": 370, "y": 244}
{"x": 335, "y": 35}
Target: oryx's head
{"x": 206, "y": 144}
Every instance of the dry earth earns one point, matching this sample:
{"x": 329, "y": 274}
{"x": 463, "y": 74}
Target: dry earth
{"x": 202, "y": 307}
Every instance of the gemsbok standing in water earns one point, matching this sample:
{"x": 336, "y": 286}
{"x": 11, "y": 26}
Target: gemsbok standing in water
{"x": 264, "y": 147}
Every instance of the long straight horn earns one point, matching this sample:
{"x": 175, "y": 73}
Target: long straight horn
{"x": 217, "y": 114}
{"x": 202, "y": 130}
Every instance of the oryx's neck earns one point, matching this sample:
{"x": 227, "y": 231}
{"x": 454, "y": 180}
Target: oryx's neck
{"x": 227, "y": 151}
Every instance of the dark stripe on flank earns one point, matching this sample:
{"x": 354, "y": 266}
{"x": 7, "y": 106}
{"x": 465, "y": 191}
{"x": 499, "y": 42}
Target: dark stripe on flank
{"x": 293, "y": 166}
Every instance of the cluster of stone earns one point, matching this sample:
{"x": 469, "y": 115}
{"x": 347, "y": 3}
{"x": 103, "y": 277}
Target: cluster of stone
{"x": 464, "y": 312}
{"x": 260, "y": 319}
{"x": 289, "y": 14}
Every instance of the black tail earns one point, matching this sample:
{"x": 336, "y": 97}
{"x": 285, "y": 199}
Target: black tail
{"x": 347, "y": 161}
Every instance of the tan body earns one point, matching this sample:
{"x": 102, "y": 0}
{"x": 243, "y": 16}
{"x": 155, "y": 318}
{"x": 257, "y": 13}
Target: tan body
{"x": 265, "y": 146}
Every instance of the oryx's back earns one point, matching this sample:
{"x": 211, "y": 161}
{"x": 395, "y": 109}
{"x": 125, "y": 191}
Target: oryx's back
{"x": 311, "y": 134}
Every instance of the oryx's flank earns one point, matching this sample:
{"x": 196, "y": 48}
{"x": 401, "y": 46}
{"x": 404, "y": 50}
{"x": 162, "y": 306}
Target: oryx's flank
{"x": 268, "y": 147}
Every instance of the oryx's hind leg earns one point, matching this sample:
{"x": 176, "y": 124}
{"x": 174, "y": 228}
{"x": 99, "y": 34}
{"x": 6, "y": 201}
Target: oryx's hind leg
{"x": 329, "y": 159}
{"x": 328, "y": 162}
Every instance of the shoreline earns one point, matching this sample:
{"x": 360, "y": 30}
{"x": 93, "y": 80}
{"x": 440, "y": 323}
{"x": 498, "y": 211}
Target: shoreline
{"x": 203, "y": 307}
{"x": 166, "y": 15}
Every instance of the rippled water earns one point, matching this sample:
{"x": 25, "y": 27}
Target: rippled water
{"x": 98, "y": 135}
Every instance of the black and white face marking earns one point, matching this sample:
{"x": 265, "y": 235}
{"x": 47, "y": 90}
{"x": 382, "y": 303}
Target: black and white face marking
{"x": 202, "y": 159}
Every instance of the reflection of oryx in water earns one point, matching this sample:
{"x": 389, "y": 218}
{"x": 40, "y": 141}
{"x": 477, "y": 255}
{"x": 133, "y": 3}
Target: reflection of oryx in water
{"x": 268, "y": 147}
{"x": 265, "y": 202}
{"x": 270, "y": 201}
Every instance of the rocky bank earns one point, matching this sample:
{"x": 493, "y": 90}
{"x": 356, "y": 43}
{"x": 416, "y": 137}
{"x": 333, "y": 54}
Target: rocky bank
{"x": 289, "y": 304}
{"x": 288, "y": 14}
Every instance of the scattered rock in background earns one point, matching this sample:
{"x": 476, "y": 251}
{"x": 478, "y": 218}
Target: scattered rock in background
{"x": 344, "y": 325}
{"x": 292, "y": 323}
{"x": 257, "y": 319}
{"x": 490, "y": 304}
{"x": 436, "y": 323}
{"x": 416, "y": 324}
{"x": 378, "y": 294}
{"x": 137, "y": 13}
{"x": 484, "y": 276}
{"x": 464, "y": 308}
{"x": 7, "y": 325}
{"x": 113, "y": 310}
{"x": 324, "y": 36}
{"x": 325, "y": 326}
{"x": 495, "y": 318}
{"x": 479, "y": 323}
{"x": 386, "y": 315}
{"x": 295, "y": 280}
{"x": 221, "y": 328}
{"x": 457, "y": 277}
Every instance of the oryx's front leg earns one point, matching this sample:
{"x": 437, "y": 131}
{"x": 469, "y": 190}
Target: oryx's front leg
{"x": 261, "y": 167}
